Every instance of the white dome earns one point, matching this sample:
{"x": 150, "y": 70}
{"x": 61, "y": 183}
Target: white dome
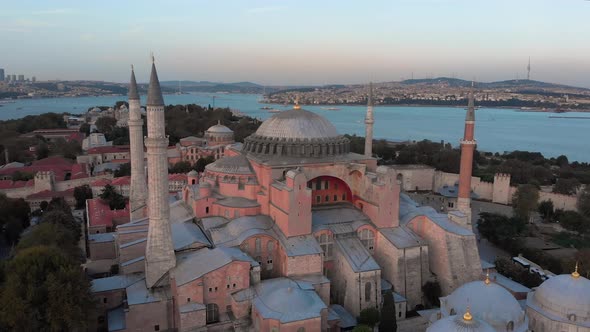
{"x": 297, "y": 124}
{"x": 219, "y": 129}
{"x": 564, "y": 295}
{"x": 489, "y": 302}
{"x": 457, "y": 323}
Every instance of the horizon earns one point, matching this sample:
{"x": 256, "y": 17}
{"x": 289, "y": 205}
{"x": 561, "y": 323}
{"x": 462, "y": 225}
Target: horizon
{"x": 300, "y": 43}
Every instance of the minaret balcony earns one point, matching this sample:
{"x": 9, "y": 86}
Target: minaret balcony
{"x": 468, "y": 142}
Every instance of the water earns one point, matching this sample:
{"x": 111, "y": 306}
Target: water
{"x": 497, "y": 130}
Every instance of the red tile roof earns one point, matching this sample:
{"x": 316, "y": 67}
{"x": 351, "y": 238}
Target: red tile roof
{"x": 124, "y": 180}
{"x": 100, "y": 183}
{"x": 9, "y": 184}
{"x": 99, "y": 213}
{"x": 48, "y": 194}
{"x": 177, "y": 177}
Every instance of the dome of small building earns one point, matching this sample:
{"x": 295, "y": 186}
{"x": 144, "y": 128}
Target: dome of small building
{"x": 219, "y": 129}
{"x": 297, "y": 133}
{"x": 567, "y": 296}
{"x": 489, "y": 302}
{"x": 238, "y": 165}
{"x": 193, "y": 173}
{"x": 457, "y": 323}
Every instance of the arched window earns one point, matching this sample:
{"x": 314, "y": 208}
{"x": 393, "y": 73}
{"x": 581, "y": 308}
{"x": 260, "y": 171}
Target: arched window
{"x": 367, "y": 237}
{"x": 453, "y": 312}
{"x": 207, "y": 210}
{"x": 212, "y": 313}
{"x": 572, "y": 317}
{"x": 368, "y": 292}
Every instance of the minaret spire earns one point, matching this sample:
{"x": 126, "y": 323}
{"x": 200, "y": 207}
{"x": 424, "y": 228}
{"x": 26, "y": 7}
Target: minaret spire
{"x": 159, "y": 255}
{"x": 468, "y": 144}
{"x": 137, "y": 189}
{"x": 369, "y": 124}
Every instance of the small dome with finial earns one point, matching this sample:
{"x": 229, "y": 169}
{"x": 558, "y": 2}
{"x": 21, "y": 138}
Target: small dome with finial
{"x": 457, "y": 323}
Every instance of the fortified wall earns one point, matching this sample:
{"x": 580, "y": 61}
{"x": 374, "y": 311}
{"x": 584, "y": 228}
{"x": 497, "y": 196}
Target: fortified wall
{"x": 426, "y": 178}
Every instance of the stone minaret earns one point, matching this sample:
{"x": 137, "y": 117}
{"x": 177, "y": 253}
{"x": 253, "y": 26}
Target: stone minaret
{"x": 138, "y": 189}
{"x": 159, "y": 256}
{"x": 467, "y": 147}
{"x": 369, "y": 124}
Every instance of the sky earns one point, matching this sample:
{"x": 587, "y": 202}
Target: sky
{"x": 297, "y": 42}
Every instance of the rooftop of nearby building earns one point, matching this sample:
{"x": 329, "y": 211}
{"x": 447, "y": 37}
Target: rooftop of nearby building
{"x": 358, "y": 257}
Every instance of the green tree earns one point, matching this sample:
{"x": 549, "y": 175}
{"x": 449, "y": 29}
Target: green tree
{"x": 362, "y": 328}
{"x": 181, "y": 167}
{"x": 44, "y": 290}
{"x": 202, "y": 162}
{"x": 22, "y": 176}
{"x": 115, "y": 200}
{"x": 59, "y": 204}
{"x": 105, "y": 124}
{"x": 584, "y": 201}
{"x": 566, "y": 186}
{"x": 81, "y": 194}
{"x": 432, "y": 292}
{"x": 546, "y": 210}
{"x": 498, "y": 228}
{"x": 525, "y": 201}
{"x": 51, "y": 234}
{"x": 124, "y": 170}
{"x": 42, "y": 151}
{"x": 369, "y": 317}
{"x": 388, "y": 321}
{"x": 85, "y": 128}
{"x": 64, "y": 219}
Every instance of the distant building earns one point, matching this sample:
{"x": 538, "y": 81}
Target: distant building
{"x": 1, "y": 74}
{"x": 13, "y": 78}
{"x": 21, "y": 78}
{"x": 33, "y": 79}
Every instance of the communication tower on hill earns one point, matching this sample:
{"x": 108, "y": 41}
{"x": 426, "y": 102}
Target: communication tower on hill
{"x": 528, "y": 70}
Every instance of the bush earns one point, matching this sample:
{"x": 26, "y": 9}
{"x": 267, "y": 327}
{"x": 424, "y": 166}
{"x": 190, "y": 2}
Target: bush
{"x": 369, "y": 317}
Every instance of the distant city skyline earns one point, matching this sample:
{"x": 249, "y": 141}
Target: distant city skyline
{"x": 299, "y": 42}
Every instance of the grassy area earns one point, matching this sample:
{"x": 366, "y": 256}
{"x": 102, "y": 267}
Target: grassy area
{"x": 568, "y": 240}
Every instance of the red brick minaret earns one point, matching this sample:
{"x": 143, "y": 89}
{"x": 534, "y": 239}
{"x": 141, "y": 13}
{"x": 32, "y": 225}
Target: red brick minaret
{"x": 467, "y": 147}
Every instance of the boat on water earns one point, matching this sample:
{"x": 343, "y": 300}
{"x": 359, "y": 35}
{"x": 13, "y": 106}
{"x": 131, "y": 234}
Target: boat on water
{"x": 266, "y": 108}
{"x": 274, "y": 110}
{"x": 330, "y": 108}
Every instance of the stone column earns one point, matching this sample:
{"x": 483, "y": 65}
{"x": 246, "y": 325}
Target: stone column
{"x": 137, "y": 188}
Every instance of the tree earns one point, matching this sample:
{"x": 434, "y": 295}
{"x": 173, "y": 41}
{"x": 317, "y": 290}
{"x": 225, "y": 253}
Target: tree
{"x": 499, "y": 229}
{"x": 525, "y": 200}
{"x": 105, "y": 124}
{"x": 432, "y": 293}
{"x": 59, "y": 204}
{"x": 181, "y": 167}
{"x": 64, "y": 219}
{"x": 562, "y": 161}
{"x": 42, "y": 151}
{"x": 81, "y": 194}
{"x": 124, "y": 170}
{"x": 44, "y": 290}
{"x": 369, "y": 317}
{"x": 115, "y": 200}
{"x": 546, "y": 210}
{"x": 566, "y": 186}
{"x": 202, "y": 162}
{"x": 584, "y": 201}
{"x": 85, "y": 128}
{"x": 362, "y": 328}
{"x": 388, "y": 321}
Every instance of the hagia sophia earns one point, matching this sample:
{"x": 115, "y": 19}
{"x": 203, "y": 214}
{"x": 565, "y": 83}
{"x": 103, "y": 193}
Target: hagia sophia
{"x": 291, "y": 231}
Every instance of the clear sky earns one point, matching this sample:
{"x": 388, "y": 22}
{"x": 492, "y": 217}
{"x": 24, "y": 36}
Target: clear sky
{"x": 298, "y": 41}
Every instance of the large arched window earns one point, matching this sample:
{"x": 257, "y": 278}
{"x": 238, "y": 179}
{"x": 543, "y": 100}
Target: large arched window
{"x": 212, "y": 313}
{"x": 510, "y": 326}
{"x": 368, "y": 292}
{"x": 368, "y": 239}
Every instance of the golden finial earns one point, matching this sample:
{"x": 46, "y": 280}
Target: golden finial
{"x": 467, "y": 316}
{"x": 296, "y": 106}
{"x": 153, "y": 57}
{"x": 487, "y": 281}
{"x": 576, "y": 274}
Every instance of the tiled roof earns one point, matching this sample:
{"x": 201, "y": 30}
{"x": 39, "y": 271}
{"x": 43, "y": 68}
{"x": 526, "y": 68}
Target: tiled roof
{"x": 9, "y": 184}
{"x": 100, "y": 214}
{"x": 100, "y": 183}
{"x": 51, "y": 194}
{"x": 109, "y": 149}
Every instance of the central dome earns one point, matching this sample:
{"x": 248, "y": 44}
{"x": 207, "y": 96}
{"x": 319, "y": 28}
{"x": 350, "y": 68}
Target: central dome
{"x": 297, "y": 133}
{"x": 297, "y": 123}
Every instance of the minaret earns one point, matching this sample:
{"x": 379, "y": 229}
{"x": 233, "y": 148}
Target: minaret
{"x": 369, "y": 124}
{"x": 138, "y": 189}
{"x": 159, "y": 256}
{"x": 467, "y": 147}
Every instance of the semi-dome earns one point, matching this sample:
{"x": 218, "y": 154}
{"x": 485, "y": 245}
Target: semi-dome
{"x": 457, "y": 323}
{"x": 237, "y": 165}
{"x": 297, "y": 133}
{"x": 565, "y": 296}
{"x": 489, "y": 302}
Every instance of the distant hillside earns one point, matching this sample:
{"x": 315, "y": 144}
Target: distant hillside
{"x": 206, "y": 86}
{"x": 514, "y": 84}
